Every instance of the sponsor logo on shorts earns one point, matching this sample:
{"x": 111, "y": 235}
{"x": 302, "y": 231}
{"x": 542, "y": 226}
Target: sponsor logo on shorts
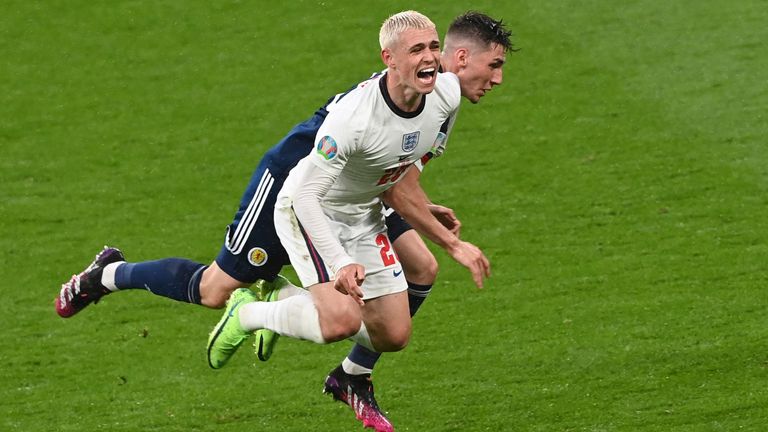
{"x": 327, "y": 147}
{"x": 257, "y": 256}
{"x": 396, "y": 273}
{"x": 410, "y": 141}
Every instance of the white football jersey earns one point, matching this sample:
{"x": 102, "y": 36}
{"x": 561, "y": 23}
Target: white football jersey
{"x": 363, "y": 147}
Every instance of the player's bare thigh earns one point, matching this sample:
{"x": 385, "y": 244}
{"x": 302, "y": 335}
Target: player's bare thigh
{"x": 419, "y": 265}
{"x": 216, "y": 286}
{"x": 388, "y": 321}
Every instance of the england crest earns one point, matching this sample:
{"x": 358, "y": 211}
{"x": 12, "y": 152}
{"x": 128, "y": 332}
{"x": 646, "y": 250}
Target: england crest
{"x": 410, "y": 141}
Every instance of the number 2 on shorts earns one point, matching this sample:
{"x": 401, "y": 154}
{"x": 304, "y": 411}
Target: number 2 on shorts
{"x": 387, "y": 255}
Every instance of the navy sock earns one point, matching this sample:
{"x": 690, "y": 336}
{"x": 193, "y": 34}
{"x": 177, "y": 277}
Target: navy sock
{"x": 416, "y": 296}
{"x": 366, "y": 358}
{"x": 175, "y": 278}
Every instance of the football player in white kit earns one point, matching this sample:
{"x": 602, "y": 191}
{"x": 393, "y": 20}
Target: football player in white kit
{"x": 328, "y": 214}
{"x": 369, "y": 141}
{"x": 475, "y": 49}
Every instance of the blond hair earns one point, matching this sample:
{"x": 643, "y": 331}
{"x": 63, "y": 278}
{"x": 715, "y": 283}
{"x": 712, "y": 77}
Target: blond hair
{"x": 400, "y": 22}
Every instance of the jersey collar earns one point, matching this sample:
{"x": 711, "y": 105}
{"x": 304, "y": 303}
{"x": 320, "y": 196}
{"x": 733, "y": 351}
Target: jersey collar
{"x": 391, "y": 104}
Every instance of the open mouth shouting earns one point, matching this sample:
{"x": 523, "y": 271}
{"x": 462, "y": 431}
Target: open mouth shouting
{"x": 427, "y": 75}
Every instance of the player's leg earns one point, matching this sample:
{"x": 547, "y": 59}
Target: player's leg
{"x": 279, "y": 289}
{"x": 419, "y": 265}
{"x": 336, "y": 316}
{"x": 383, "y": 315}
{"x": 420, "y": 268}
{"x": 174, "y": 278}
{"x": 250, "y": 242}
{"x": 216, "y": 286}
{"x": 351, "y": 380}
{"x": 388, "y": 322}
{"x": 322, "y": 317}
{"x": 326, "y": 315}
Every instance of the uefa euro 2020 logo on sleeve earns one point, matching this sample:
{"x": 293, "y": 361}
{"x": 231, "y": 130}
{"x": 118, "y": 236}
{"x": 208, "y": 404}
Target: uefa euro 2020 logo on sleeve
{"x": 327, "y": 147}
{"x": 410, "y": 141}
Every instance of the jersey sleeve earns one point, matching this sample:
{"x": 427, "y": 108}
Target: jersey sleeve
{"x": 451, "y": 87}
{"x": 438, "y": 147}
{"x": 335, "y": 141}
{"x": 315, "y": 183}
{"x": 450, "y": 90}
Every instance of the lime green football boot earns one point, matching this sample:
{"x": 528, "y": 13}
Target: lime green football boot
{"x": 266, "y": 339}
{"x": 228, "y": 335}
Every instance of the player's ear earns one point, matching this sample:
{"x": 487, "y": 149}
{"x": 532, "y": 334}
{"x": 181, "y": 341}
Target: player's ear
{"x": 462, "y": 57}
{"x": 386, "y": 56}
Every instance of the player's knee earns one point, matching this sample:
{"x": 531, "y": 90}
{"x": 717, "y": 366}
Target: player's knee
{"x": 213, "y": 295}
{"x": 430, "y": 268}
{"x": 424, "y": 271}
{"x": 394, "y": 337}
{"x": 400, "y": 341}
{"x": 340, "y": 329}
{"x": 339, "y": 323}
{"x": 394, "y": 341}
{"x": 213, "y": 299}
{"x": 216, "y": 286}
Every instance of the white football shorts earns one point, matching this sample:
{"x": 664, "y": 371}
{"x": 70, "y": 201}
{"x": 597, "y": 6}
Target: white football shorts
{"x": 369, "y": 247}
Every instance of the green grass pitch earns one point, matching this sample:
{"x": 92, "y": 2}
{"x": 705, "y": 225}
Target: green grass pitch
{"x": 617, "y": 180}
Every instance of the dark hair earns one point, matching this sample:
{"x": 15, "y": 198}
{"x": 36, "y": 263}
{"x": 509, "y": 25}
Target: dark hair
{"x": 481, "y": 27}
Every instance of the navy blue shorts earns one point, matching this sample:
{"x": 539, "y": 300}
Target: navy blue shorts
{"x": 251, "y": 249}
{"x": 396, "y": 225}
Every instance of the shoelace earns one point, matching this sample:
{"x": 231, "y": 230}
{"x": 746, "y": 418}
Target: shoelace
{"x": 358, "y": 401}
{"x": 67, "y": 295}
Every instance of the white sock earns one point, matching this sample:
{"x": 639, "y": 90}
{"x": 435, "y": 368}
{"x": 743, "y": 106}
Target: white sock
{"x": 294, "y": 317}
{"x": 363, "y": 338}
{"x": 108, "y": 275}
{"x": 290, "y": 290}
{"x": 353, "y": 368}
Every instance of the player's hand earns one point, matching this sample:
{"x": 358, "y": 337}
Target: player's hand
{"x": 471, "y": 257}
{"x": 348, "y": 281}
{"x": 447, "y": 217}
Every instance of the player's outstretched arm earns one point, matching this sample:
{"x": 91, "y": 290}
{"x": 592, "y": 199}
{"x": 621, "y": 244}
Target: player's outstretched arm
{"x": 411, "y": 202}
